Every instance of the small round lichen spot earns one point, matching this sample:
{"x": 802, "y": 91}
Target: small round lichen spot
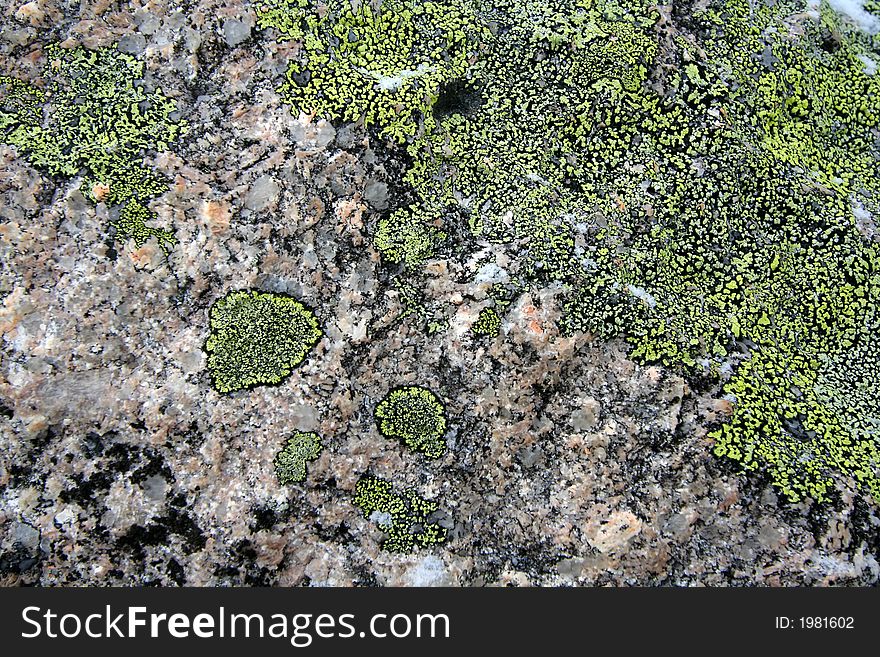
{"x": 290, "y": 462}
{"x": 416, "y": 416}
{"x": 258, "y": 338}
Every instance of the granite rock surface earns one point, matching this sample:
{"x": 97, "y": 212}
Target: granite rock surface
{"x": 568, "y": 463}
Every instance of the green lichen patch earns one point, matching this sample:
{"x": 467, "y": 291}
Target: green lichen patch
{"x": 94, "y": 118}
{"x": 404, "y": 517}
{"x": 290, "y": 462}
{"x": 416, "y": 416}
{"x": 407, "y": 237}
{"x": 383, "y": 63}
{"x": 488, "y": 323}
{"x": 698, "y": 182}
{"x": 257, "y": 338}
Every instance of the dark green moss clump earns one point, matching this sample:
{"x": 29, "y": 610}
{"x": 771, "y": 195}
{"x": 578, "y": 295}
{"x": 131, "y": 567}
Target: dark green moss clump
{"x": 95, "y": 119}
{"x": 257, "y": 338}
{"x": 290, "y": 462}
{"x": 404, "y": 517}
{"x": 416, "y": 416}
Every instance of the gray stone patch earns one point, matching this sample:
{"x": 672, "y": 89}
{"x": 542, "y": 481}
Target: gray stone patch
{"x": 236, "y": 32}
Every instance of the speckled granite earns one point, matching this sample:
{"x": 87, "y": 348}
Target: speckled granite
{"x": 119, "y": 464}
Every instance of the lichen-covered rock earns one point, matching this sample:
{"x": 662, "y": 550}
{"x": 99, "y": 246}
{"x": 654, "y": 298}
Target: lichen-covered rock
{"x": 381, "y": 63}
{"x": 488, "y": 323}
{"x": 691, "y": 189}
{"x": 95, "y": 118}
{"x": 586, "y": 170}
{"x": 404, "y": 517}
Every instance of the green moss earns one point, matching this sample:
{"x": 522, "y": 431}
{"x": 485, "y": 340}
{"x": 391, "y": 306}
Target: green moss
{"x": 257, "y": 338}
{"x": 94, "y": 118}
{"x": 404, "y": 517}
{"x": 416, "y": 416}
{"x": 290, "y": 462}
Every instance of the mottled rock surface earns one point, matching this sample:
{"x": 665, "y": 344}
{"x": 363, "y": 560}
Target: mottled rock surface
{"x": 568, "y": 463}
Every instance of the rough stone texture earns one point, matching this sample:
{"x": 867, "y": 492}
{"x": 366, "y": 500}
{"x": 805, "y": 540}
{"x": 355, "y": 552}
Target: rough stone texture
{"x": 119, "y": 464}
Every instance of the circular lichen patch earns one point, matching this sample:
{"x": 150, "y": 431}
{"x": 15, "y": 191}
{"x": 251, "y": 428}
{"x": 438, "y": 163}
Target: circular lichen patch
{"x": 416, "y": 416}
{"x": 257, "y": 338}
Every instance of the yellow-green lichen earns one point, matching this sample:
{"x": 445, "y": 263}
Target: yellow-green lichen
{"x": 407, "y": 237}
{"x": 488, "y": 323}
{"x": 290, "y": 462}
{"x": 703, "y": 186}
{"x": 257, "y": 338}
{"x": 382, "y": 63}
{"x": 94, "y": 118}
{"x": 416, "y": 416}
{"x": 404, "y": 517}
